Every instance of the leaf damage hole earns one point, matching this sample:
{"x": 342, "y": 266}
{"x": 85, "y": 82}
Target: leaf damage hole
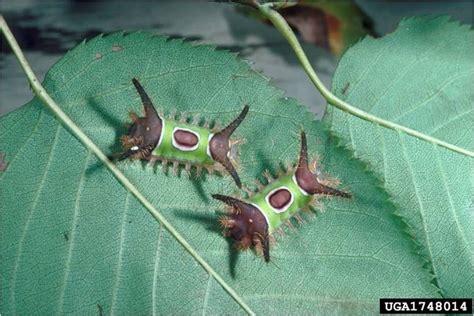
{"x": 98, "y": 55}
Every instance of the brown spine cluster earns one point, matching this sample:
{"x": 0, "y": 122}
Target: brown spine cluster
{"x": 246, "y": 225}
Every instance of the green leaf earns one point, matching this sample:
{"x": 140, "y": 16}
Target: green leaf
{"x": 73, "y": 240}
{"x": 421, "y": 77}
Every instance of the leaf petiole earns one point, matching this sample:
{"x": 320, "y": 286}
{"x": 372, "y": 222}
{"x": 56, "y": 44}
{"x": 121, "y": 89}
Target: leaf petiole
{"x": 282, "y": 26}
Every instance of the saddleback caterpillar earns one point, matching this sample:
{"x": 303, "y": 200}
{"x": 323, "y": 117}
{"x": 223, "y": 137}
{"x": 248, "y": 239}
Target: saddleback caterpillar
{"x": 251, "y": 222}
{"x": 156, "y": 138}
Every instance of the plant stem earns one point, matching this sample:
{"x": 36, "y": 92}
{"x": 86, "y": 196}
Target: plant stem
{"x": 43, "y": 95}
{"x": 283, "y": 27}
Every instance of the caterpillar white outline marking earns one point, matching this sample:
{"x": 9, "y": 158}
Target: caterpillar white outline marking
{"x": 186, "y": 148}
{"x": 286, "y": 203}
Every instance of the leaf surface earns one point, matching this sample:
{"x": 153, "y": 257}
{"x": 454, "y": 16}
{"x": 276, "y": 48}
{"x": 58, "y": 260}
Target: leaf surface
{"x": 420, "y": 76}
{"x": 74, "y": 240}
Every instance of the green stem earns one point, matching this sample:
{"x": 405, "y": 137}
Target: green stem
{"x": 79, "y": 134}
{"x": 283, "y": 27}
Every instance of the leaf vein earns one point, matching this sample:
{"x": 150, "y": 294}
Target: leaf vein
{"x": 426, "y": 101}
{"x": 73, "y": 234}
{"x": 28, "y": 221}
{"x": 118, "y": 268}
{"x": 156, "y": 269}
{"x": 404, "y": 71}
{"x": 40, "y": 117}
{"x": 420, "y": 204}
{"x": 206, "y": 296}
{"x": 452, "y": 119}
{"x": 448, "y": 192}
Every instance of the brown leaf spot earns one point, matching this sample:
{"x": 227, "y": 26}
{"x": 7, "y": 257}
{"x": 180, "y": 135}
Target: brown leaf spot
{"x": 3, "y": 162}
{"x": 345, "y": 88}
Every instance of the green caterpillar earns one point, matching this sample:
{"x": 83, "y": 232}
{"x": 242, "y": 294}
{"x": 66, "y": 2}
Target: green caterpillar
{"x": 252, "y": 221}
{"x": 154, "y": 137}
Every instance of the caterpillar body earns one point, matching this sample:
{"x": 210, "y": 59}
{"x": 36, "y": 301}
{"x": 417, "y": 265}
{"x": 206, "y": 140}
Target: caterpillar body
{"x": 251, "y": 222}
{"x": 154, "y": 137}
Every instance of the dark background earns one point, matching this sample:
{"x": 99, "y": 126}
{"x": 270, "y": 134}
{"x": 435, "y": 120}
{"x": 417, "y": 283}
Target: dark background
{"x": 47, "y": 29}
